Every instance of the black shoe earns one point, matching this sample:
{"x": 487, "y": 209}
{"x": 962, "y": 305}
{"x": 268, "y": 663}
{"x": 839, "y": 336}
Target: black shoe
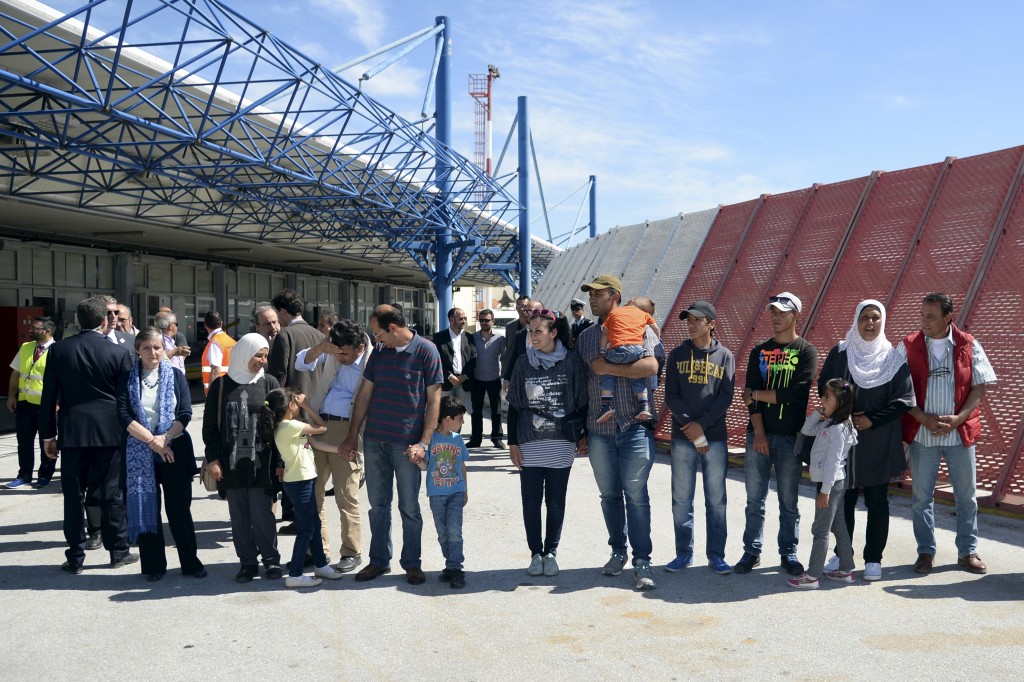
{"x": 473, "y": 443}
{"x": 201, "y": 573}
{"x": 458, "y": 580}
{"x": 446, "y": 575}
{"x": 747, "y": 563}
{"x": 153, "y": 577}
{"x": 290, "y": 529}
{"x": 246, "y": 574}
{"x": 274, "y": 572}
{"x": 498, "y": 443}
{"x": 792, "y": 566}
{"x": 329, "y": 493}
{"x": 126, "y": 560}
{"x": 74, "y": 569}
{"x": 95, "y": 541}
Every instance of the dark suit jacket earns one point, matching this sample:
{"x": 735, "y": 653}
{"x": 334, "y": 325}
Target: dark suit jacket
{"x": 443, "y": 341}
{"x": 184, "y": 464}
{"x": 82, "y": 377}
{"x": 281, "y": 363}
{"x": 579, "y": 326}
{"x": 126, "y": 341}
{"x": 517, "y": 350}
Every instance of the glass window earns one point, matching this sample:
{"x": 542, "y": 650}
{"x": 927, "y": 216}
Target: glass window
{"x": 245, "y": 283}
{"x": 42, "y": 266}
{"x": 232, "y": 279}
{"x": 9, "y": 265}
{"x": 139, "y": 276}
{"x": 160, "y": 277}
{"x": 184, "y": 279}
{"x": 204, "y": 280}
{"x": 73, "y": 272}
{"x": 105, "y": 272}
{"x": 9, "y": 296}
{"x": 276, "y": 283}
{"x": 262, "y": 285}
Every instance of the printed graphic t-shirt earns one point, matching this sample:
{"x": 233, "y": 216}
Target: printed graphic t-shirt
{"x": 444, "y": 465}
{"x": 788, "y": 369}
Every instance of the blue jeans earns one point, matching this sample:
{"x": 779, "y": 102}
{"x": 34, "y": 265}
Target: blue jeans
{"x": 623, "y": 355}
{"x": 757, "y": 470}
{"x": 713, "y": 465}
{"x": 621, "y": 465}
{"x": 307, "y": 526}
{"x": 447, "y": 512}
{"x": 387, "y": 466}
{"x": 924, "y": 468}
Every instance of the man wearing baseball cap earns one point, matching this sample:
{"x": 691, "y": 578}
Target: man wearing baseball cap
{"x": 620, "y": 452}
{"x": 699, "y": 382}
{"x": 779, "y": 376}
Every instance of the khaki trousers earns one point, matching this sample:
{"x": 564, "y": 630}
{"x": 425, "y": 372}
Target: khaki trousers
{"x": 346, "y": 475}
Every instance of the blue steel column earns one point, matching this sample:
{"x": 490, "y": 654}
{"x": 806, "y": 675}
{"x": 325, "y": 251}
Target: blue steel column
{"x": 525, "y": 239}
{"x": 443, "y": 117}
{"x": 593, "y": 206}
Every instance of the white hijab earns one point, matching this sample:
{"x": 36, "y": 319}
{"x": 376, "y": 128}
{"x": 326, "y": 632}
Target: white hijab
{"x": 243, "y": 351}
{"x": 871, "y": 363}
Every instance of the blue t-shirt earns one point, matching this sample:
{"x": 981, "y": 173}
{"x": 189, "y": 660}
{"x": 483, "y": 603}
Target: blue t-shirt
{"x": 444, "y": 465}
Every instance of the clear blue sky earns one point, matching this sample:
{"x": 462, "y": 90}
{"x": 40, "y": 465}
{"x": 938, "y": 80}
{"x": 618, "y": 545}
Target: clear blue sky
{"x": 679, "y": 105}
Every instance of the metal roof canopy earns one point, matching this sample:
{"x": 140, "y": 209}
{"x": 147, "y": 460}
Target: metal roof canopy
{"x": 191, "y": 117}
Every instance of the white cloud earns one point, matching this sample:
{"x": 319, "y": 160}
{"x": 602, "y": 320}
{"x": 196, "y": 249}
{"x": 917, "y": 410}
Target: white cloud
{"x": 365, "y": 21}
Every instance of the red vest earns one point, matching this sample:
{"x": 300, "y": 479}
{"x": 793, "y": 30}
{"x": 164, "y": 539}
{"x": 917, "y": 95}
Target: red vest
{"x": 917, "y": 360}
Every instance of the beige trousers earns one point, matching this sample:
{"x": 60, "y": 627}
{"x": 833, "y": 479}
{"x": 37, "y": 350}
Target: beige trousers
{"x": 346, "y": 475}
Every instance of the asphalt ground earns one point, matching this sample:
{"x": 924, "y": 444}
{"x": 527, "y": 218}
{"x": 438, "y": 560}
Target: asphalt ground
{"x": 112, "y": 624}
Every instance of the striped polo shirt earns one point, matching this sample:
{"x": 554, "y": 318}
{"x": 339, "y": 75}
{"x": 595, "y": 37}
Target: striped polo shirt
{"x": 400, "y": 380}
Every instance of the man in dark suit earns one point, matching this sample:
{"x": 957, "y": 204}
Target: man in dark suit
{"x": 516, "y": 346}
{"x": 82, "y": 375}
{"x": 114, "y": 335}
{"x": 458, "y": 357}
{"x": 579, "y": 320}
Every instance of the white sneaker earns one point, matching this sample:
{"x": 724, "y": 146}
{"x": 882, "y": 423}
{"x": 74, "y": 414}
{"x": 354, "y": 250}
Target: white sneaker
{"x": 536, "y": 565}
{"x": 327, "y": 571}
{"x": 300, "y": 581}
{"x": 550, "y": 565}
{"x": 872, "y": 571}
{"x": 833, "y": 563}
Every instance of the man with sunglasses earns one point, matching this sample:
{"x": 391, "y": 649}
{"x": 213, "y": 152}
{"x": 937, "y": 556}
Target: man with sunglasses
{"x": 487, "y": 380}
{"x": 512, "y": 330}
{"x": 951, "y": 373}
{"x": 458, "y": 357}
{"x": 620, "y": 448}
{"x": 780, "y": 372}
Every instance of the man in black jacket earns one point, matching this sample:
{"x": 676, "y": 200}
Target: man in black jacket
{"x": 458, "y": 357}
{"x": 82, "y": 375}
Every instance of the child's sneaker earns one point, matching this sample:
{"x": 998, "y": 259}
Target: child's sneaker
{"x": 299, "y": 581}
{"x": 833, "y": 563}
{"x": 605, "y": 415}
{"x": 550, "y": 565}
{"x": 840, "y": 576}
{"x": 327, "y": 571}
{"x": 536, "y": 565}
{"x": 803, "y": 582}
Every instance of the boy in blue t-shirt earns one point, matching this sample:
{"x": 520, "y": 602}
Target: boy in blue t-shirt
{"x": 445, "y": 465}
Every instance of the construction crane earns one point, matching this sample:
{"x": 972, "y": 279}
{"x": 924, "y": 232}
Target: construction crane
{"x": 480, "y": 89}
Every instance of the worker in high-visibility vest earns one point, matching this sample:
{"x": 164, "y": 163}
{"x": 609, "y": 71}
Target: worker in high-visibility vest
{"x": 217, "y": 355}
{"x": 24, "y": 393}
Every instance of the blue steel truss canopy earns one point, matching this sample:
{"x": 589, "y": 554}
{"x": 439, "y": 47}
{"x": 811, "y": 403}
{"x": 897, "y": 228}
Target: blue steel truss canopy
{"x": 193, "y": 120}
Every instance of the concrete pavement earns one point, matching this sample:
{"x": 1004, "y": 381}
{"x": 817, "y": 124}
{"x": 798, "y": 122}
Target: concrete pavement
{"x": 112, "y": 624}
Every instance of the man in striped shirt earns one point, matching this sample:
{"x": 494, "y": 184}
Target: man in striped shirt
{"x": 950, "y": 372}
{"x": 399, "y": 399}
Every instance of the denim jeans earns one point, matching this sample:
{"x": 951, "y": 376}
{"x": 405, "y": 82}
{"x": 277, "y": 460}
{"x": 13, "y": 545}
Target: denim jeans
{"x": 447, "y": 512}
{"x": 924, "y": 468}
{"x": 757, "y": 470}
{"x": 713, "y": 465}
{"x": 621, "y": 465}
{"x": 387, "y": 467}
{"x": 543, "y": 485}
{"x": 830, "y": 518}
{"x": 307, "y": 526}
{"x": 623, "y": 355}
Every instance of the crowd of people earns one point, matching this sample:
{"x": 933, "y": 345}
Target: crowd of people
{"x": 294, "y": 407}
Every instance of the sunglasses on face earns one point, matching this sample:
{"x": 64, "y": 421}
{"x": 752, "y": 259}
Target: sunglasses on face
{"x": 544, "y": 312}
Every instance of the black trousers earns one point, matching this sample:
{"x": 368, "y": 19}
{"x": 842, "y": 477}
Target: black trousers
{"x": 175, "y": 488}
{"x": 876, "y": 499}
{"x": 26, "y": 425}
{"x": 492, "y": 391}
{"x": 548, "y": 485}
{"x": 102, "y": 464}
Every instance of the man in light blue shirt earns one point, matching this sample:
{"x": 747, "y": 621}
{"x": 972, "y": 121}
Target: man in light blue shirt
{"x": 343, "y": 356}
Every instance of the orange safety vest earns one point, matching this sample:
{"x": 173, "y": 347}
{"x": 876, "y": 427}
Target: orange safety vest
{"x": 225, "y": 343}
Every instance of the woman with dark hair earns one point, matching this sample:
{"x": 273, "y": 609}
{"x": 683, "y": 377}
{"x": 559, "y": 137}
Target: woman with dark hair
{"x": 154, "y": 406}
{"x": 244, "y": 464}
{"x": 547, "y": 399}
{"x": 884, "y": 392}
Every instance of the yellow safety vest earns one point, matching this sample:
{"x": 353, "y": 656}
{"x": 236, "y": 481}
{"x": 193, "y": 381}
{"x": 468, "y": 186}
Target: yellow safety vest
{"x": 30, "y": 379}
